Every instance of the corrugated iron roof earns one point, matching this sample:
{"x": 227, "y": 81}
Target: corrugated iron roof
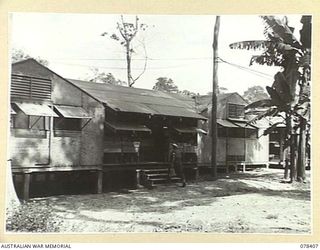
{"x": 136, "y": 100}
{"x": 72, "y": 112}
{"x": 226, "y": 123}
{"x": 117, "y": 126}
{"x": 35, "y": 109}
{"x": 190, "y": 130}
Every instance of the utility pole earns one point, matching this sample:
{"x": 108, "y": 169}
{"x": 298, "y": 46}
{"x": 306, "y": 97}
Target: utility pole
{"x": 214, "y": 99}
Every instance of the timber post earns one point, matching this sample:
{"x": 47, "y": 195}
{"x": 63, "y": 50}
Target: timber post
{"x": 214, "y": 99}
{"x": 138, "y": 181}
{"x": 100, "y": 181}
{"x": 26, "y": 186}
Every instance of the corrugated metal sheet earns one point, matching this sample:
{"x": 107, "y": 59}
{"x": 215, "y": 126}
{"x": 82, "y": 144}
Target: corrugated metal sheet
{"x": 191, "y": 130}
{"x": 181, "y": 111}
{"x": 72, "y": 112}
{"x": 35, "y": 109}
{"x": 226, "y": 123}
{"x": 137, "y": 100}
{"x": 129, "y": 107}
{"x": 127, "y": 127}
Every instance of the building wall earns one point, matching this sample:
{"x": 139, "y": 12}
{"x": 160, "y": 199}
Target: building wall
{"x": 222, "y": 105}
{"x": 64, "y": 93}
{"x": 66, "y": 148}
{"x": 27, "y": 149}
{"x": 257, "y": 149}
{"x": 92, "y": 135}
{"x": 204, "y": 149}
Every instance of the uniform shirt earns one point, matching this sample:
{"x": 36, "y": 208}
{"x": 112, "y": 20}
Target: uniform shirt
{"x": 176, "y": 156}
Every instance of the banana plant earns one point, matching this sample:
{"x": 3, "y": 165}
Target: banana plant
{"x": 281, "y": 48}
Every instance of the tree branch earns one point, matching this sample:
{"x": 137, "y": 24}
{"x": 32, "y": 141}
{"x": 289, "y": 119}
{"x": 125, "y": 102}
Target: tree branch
{"x": 145, "y": 65}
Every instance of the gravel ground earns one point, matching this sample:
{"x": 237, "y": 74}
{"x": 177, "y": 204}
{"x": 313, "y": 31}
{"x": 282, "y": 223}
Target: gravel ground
{"x": 257, "y": 201}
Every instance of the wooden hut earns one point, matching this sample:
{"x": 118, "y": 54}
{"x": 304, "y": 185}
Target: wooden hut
{"x": 239, "y": 143}
{"x": 67, "y": 132}
{"x": 55, "y": 131}
{"x": 139, "y": 127}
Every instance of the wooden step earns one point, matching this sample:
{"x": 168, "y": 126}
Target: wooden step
{"x": 157, "y": 175}
{"x": 154, "y": 177}
{"x": 155, "y": 170}
{"x": 164, "y": 180}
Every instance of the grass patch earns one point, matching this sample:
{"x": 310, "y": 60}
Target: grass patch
{"x": 32, "y": 216}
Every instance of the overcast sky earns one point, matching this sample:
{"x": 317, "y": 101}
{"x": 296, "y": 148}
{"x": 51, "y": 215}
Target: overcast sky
{"x": 179, "y": 47}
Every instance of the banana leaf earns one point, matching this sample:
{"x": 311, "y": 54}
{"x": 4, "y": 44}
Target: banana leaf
{"x": 272, "y": 128}
{"x": 260, "y": 104}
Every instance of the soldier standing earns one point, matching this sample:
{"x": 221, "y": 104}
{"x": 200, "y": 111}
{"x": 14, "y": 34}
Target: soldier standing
{"x": 176, "y": 160}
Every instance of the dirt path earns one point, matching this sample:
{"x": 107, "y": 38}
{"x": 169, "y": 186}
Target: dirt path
{"x": 252, "y": 202}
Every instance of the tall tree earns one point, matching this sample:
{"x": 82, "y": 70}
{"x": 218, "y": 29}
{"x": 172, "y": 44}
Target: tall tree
{"x": 255, "y": 93}
{"x": 283, "y": 49}
{"x": 165, "y": 84}
{"x": 103, "y": 77}
{"x": 19, "y": 55}
{"x": 187, "y": 93}
{"x": 128, "y": 32}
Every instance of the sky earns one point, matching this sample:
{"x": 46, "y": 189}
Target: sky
{"x": 178, "y": 47}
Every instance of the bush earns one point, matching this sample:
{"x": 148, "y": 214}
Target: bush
{"x": 32, "y": 216}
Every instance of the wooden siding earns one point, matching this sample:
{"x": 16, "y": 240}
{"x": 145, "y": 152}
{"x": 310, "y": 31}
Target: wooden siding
{"x": 27, "y": 87}
{"x": 28, "y": 150}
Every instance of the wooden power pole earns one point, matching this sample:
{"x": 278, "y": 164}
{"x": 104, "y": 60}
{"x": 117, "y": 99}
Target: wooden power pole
{"x": 214, "y": 99}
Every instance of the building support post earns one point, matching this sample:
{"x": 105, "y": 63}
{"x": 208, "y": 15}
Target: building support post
{"x": 138, "y": 181}
{"x": 26, "y": 186}
{"x": 100, "y": 181}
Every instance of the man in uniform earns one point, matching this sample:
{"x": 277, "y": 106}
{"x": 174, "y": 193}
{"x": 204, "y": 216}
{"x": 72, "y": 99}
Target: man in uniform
{"x": 176, "y": 160}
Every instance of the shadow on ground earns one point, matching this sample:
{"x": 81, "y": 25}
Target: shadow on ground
{"x": 165, "y": 199}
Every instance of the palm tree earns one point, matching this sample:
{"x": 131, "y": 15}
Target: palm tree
{"x": 281, "y": 48}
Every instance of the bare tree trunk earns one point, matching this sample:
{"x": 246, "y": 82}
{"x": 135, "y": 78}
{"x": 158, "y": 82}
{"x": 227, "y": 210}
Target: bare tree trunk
{"x": 214, "y": 99}
{"x": 287, "y": 149}
{"x": 128, "y": 63}
{"x": 301, "y": 166}
{"x": 286, "y": 162}
{"x": 293, "y": 169}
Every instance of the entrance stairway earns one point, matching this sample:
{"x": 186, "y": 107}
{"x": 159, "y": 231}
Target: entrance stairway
{"x": 151, "y": 178}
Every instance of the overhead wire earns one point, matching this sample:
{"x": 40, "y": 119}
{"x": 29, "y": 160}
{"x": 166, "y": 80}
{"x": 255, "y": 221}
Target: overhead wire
{"x": 240, "y": 67}
{"x": 118, "y": 68}
{"x": 255, "y": 72}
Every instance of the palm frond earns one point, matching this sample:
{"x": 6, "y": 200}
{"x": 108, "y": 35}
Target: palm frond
{"x": 272, "y": 111}
{"x": 303, "y": 110}
{"x": 281, "y": 86}
{"x": 276, "y": 28}
{"x": 251, "y": 45}
{"x": 292, "y": 74}
{"x": 266, "y": 59}
{"x": 272, "y": 128}
{"x": 275, "y": 97}
{"x": 260, "y": 104}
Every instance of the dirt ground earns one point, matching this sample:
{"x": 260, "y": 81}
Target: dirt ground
{"x": 257, "y": 201}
